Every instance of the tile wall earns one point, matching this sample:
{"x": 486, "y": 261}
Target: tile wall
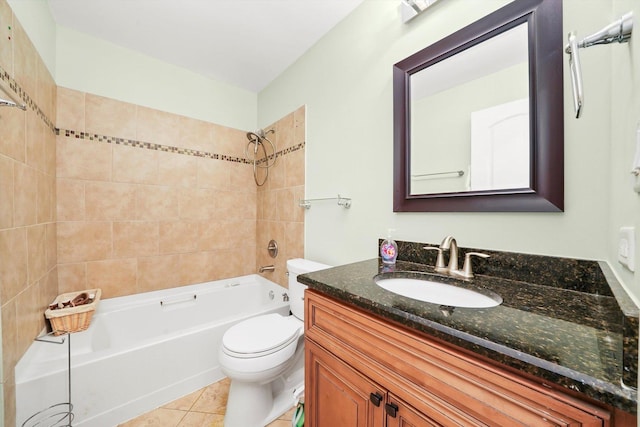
{"x": 279, "y": 216}
{"x": 149, "y": 200}
{"x": 96, "y": 192}
{"x": 28, "y": 275}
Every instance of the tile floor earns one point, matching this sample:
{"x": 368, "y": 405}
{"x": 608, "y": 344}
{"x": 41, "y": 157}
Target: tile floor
{"x": 203, "y": 408}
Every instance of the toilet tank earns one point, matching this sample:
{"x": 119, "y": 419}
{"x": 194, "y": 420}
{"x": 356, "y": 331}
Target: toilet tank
{"x": 295, "y": 267}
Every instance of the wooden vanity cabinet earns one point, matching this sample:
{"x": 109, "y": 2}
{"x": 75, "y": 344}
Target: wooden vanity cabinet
{"x": 364, "y": 371}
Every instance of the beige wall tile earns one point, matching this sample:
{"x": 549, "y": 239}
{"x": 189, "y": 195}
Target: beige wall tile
{"x": 46, "y": 196}
{"x": 83, "y": 159}
{"x": 232, "y": 204}
{"x": 299, "y": 122}
{"x": 36, "y": 252}
{"x": 225, "y": 234}
{"x": 195, "y": 134}
{"x": 50, "y": 152}
{"x": 214, "y": 174}
{"x": 241, "y": 178}
{"x": 109, "y": 117}
{"x": 229, "y": 141}
{"x": 51, "y": 245}
{"x": 6, "y": 192}
{"x": 285, "y": 131}
{"x": 46, "y": 90}
{"x": 10, "y": 350}
{"x": 25, "y": 66}
{"x": 228, "y": 263}
{"x": 13, "y": 268}
{"x": 115, "y": 277}
{"x": 25, "y": 193}
{"x": 84, "y": 241}
{"x": 157, "y": 203}
{"x": 158, "y": 127}
{"x": 72, "y": 277}
{"x": 28, "y": 316}
{"x": 277, "y": 174}
{"x": 198, "y": 203}
{"x": 70, "y": 109}
{"x": 294, "y": 164}
{"x": 70, "y": 201}
{"x": 12, "y": 133}
{"x": 35, "y": 140}
{"x": 294, "y": 240}
{"x": 177, "y": 170}
{"x": 198, "y": 267}
{"x": 109, "y": 201}
{"x": 178, "y": 236}
{"x": 135, "y": 165}
{"x": 158, "y": 272}
{"x": 135, "y": 239}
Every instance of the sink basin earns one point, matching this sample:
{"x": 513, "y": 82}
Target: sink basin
{"x": 438, "y": 293}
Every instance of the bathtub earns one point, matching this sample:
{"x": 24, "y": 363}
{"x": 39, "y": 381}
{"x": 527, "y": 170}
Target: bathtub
{"x": 141, "y": 351}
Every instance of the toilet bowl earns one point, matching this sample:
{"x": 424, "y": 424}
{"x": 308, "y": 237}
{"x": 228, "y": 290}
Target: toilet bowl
{"x": 264, "y": 358}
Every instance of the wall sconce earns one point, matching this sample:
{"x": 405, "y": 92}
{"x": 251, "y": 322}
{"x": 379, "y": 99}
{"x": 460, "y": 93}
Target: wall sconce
{"x": 409, "y": 9}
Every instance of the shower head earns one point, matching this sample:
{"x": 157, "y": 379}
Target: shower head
{"x": 257, "y": 135}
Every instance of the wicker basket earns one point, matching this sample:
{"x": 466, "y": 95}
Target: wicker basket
{"x": 72, "y": 319}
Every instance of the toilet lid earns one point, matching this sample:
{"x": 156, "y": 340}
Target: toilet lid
{"x": 261, "y": 335}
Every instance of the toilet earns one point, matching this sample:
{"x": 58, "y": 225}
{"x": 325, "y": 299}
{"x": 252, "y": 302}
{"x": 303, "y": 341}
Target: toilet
{"x": 264, "y": 358}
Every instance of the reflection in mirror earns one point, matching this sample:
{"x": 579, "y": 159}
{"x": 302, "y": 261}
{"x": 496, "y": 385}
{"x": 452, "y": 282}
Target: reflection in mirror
{"x": 470, "y": 125}
{"x": 478, "y": 116}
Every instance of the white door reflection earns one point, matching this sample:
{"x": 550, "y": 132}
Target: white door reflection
{"x": 500, "y": 147}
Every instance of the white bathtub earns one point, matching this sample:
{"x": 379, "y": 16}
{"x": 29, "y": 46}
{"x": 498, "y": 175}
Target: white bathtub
{"x": 139, "y": 354}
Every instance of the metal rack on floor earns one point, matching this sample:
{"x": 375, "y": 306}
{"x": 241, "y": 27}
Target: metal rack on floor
{"x": 59, "y": 414}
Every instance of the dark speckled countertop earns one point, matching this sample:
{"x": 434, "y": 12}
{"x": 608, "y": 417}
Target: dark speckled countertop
{"x": 579, "y": 331}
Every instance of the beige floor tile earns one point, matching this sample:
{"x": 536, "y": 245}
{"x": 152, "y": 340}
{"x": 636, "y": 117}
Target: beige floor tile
{"x": 202, "y": 408}
{"x": 185, "y": 402}
{"x": 201, "y": 419}
{"x": 213, "y": 399}
{"x": 160, "y": 417}
{"x": 280, "y": 423}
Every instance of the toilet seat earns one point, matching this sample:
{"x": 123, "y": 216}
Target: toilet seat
{"x": 261, "y": 336}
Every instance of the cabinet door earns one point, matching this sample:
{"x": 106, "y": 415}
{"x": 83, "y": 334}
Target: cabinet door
{"x": 338, "y": 395}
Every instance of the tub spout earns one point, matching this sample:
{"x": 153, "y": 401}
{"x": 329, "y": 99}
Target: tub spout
{"x": 266, "y": 268}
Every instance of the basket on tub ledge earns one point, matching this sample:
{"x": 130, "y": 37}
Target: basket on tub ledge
{"x": 71, "y": 318}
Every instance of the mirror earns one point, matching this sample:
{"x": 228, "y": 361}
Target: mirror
{"x": 478, "y": 116}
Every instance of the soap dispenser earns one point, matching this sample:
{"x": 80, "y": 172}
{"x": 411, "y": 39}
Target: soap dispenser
{"x": 389, "y": 250}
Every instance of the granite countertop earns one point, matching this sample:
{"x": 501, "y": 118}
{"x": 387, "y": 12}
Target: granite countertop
{"x": 572, "y": 338}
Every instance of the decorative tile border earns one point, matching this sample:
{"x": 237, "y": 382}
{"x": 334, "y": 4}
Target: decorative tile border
{"x": 31, "y": 104}
{"x": 168, "y": 148}
{"x": 24, "y": 96}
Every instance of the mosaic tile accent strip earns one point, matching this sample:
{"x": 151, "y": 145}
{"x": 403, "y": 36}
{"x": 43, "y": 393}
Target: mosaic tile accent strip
{"x": 24, "y": 96}
{"x": 167, "y": 148}
{"x": 31, "y": 104}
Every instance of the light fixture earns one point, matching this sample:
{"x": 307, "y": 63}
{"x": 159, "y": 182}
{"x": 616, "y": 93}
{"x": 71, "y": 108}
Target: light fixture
{"x": 409, "y": 9}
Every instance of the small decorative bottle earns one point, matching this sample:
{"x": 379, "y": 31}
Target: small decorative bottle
{"x": 389, "y": 250}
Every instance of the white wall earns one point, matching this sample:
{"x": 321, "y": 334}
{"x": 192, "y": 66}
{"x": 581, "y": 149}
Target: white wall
{"x": 81, "y": 62}
{"x": 346, "y": 82}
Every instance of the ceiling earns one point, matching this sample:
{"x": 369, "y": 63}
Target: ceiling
{"x": 246, "y": 43}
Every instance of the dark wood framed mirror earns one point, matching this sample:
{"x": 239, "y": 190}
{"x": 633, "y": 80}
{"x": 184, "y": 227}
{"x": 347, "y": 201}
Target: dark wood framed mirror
{"x": 470, "y": 137}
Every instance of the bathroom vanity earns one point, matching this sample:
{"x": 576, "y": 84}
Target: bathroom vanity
{"x": 552, "y": 353}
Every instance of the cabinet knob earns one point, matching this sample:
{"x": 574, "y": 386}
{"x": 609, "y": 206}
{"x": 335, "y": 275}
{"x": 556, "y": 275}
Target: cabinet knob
{"x": 375, "y": 398}
{"x": 391, "y": 409}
